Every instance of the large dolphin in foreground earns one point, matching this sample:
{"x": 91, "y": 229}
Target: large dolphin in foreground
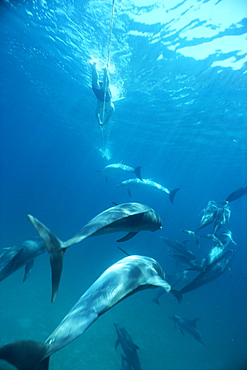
{"x": 240, "y": 192}
{"x": 127, "y": 276}
{"x": 128, "y": 217}
{"x": 115, "y": 168}
{"x": 189, "y": 326}
{"x": 17, "y": 256}
{"x": 144, "y": 184}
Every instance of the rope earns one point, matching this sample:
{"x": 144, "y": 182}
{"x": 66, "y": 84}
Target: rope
{"x": 108, "y": 55}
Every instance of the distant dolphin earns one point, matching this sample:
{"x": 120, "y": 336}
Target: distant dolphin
{"x": 17, "y": 256}
{"x": 240, "y": 192}
{"x": 122, "y": 279}
{"x": 130, "y": 217}
{"x": 146, "y": 183}
{"x": 189, "y": 326}
{"x": 115, "y": 168}
{"x": 128, "y": 346}
{"x": 220, "y": 263}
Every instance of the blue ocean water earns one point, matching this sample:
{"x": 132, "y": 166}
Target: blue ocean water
{"x": 178, "y": 79}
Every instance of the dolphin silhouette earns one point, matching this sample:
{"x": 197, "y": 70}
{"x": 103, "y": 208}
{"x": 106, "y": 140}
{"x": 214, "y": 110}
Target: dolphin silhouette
{"x": 128, "y": 346}
{"x": 126, "y": 277}
{"x": 189, "y": 326}
{"x": 130, "y": 217}
{"x": 17, "y": 256}
{"x": 240, "y": 192}
{"x": 144, "y": 184}
{"x": 214, "y": 269}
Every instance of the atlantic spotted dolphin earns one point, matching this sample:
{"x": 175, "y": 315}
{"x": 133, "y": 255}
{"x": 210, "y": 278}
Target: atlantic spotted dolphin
{"x": 127, "y": 276}
{"x": 220, "y": 263}
{"x": 189, "y": 326}
{"x": 115, "y": 168}
{"x": 144, "y": 184}
{"x": 128, "y": 346}
{"x": 20, "y": 255}
{"x": 128, "y": 217}
{"x": 240, "y": 192}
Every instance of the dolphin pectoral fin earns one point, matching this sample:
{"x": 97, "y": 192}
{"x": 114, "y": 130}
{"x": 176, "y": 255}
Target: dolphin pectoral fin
{"x": 172, "y": 194}
{"x": 127, "y": 237}
{"x": 181, "y": 331}
{"x": 155, "y": 300}
{"x": 28, "y": 269}
{"x": 56, "y": 261}
{"x": 52, "y": 243}
{"x": 26, "y": 355}
{"x": 129, "y": 192}
{"x": 177, "y": 294}
{"x": 117, "y": 344}
{"x": 157, "y": 281}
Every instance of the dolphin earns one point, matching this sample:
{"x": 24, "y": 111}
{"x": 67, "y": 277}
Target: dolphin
{"x": 189, "y": 326}
{"x": 217, "y": 213}
{"x": 181, "y": 254}
{"x": 115, "y": 168}
{"x": 130, "y": 217}
{"x": 17, "y": 256}
{"x": 144, "y": 184}
{"x": 240, "y": 192}
{"x": 122, "y": 279}
{"x": 220, "y": 263}
{"x": 128, "y": 346}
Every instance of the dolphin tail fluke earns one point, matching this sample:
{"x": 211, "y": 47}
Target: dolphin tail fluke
{"x": 172, "y": 194}
{"x": 138, "y": 172}
{"x": 56, "y": 261}
{"x": 177, "y": 294}
{"x": 26, "y": 355}
{"x": 55, "y": 248}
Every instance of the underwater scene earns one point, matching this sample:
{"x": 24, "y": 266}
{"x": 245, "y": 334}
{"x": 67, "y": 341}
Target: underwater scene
{"x": 123, "y": 219}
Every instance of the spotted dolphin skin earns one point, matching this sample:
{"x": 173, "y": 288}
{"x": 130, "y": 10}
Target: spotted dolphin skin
{"x": 115, "y": 168}
{"x": 128, "y": 217}
{"x": 240, "y": 192}
{"x": 127, "y": 276}
{"x": 144, "y": 184}
{"x": 20, "y": 255}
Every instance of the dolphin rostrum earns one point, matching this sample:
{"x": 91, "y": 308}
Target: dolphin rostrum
{"x": 189, "y": 326}
{"x": 128, "y": 346}
{"x": 115, "y": 168}
{"x": 130, "y": 217}
{"x": 17, "y": 256}
{"x": 237, "y": 193}
{"x": 122, "y": 279}
{"x": 146, "y": 183}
